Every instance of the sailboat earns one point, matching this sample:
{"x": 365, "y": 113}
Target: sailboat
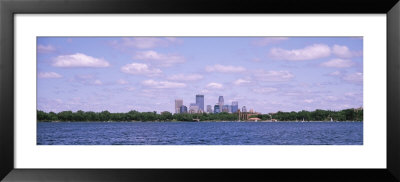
{"x": 303, "y": 120}
{"x": 331, "y": 119}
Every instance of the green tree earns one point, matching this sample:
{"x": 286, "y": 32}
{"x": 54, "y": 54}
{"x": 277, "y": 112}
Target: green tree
{"x": 166, "y": 116}
{"x": 65, "y": 115}
{"x": 42, "y": 116}
{"x": 104, "y": 116}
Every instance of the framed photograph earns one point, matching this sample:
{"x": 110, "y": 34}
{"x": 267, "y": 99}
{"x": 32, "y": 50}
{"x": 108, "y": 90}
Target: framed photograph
{"x": 124, "y": 91}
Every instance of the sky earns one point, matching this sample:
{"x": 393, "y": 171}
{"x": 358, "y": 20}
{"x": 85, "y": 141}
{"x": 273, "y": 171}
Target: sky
{"x": 266, "y": 74}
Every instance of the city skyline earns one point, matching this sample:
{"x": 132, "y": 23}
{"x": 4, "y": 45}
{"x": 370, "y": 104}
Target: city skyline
{"x": 198, "y": 107}
{"x": 267, "y": 74}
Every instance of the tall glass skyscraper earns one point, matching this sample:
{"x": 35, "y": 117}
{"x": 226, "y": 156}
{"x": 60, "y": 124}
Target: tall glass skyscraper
{"x": 221, "y": 101}
{"x": 235, "y": 106}
{"x": 200, "y": 102}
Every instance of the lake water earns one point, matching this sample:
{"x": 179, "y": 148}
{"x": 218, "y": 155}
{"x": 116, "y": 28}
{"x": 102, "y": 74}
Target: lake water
{"x": 200, "y": 133}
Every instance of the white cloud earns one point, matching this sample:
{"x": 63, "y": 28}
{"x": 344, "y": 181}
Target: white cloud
{"x": 308, "y": 53}
{"x": 314, "y": 51}
{"x": 349, "y": 77}
{"x": 45, "y": 48}
{"x": 225, "y": 69}
{"x": 241, "y": 81}
{"x": 214, "y": 85}
{"x": 269, "y": 40}
{"x": 140, "y": 69}
{"x": 354, "y": 77}
{"x": 335, "y": 73}
{"x": 183, "y": 77}
{"x": 161, "y": 59}
{"x": 146, "y": 42}
{"x": 265, "y": 90}
{"x": 79, "y": 60}
{"x": 338, "y": 63}
{"x": 274, "y": 76}
{"x": 87, "y": 79}
{"x": 98, "y": 82}
{"x": 163, "y": 84}
{"x": 308, "y": 101}
{"x": 49, "y": 75}
{"x": 122, "y": 82}
{"x": 344, "y": 52}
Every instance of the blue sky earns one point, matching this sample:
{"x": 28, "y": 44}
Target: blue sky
{"x": 267, "y": 74}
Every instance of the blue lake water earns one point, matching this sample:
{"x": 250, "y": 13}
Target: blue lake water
{"x": 200, "y": 133}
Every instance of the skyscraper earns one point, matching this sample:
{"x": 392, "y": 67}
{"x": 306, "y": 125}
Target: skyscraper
{"x": 235, "y": 106}
{"x": 244, "y": 109}
{"x": 216, "y": 109}
{"x": 183, "y": 109}
{"x": 178, "y": 104}
{"x": 221, "y": 101}
{"x": 194, "y": 108}
{"x": 225, "y": 108}
{"x": 200, "y": 102}
{"x": 209, "y": 109}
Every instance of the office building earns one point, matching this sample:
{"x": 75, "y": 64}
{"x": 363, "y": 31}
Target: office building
{"x": 216, "y": 109}
{"x": 225, "y": 108}
{"x": 183, "y": 109}
{"x": 200, "y": 102}
{"x": 221, "y": 101}
{"x": 178, "y": 104}
{"x": 209, "y": 109}
{"x": 194, "y": 108}
{"x": 234, "y": 106}
{"x": 244, "y": 109}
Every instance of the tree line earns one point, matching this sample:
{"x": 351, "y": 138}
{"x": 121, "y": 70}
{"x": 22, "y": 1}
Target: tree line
{"x": 317, "y": 115}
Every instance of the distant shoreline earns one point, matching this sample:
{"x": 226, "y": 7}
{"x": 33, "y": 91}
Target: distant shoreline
{"x": 352, "y": 114}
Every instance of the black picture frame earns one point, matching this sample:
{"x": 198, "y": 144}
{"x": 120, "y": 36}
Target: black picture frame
{"x": 9, "y": 8}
